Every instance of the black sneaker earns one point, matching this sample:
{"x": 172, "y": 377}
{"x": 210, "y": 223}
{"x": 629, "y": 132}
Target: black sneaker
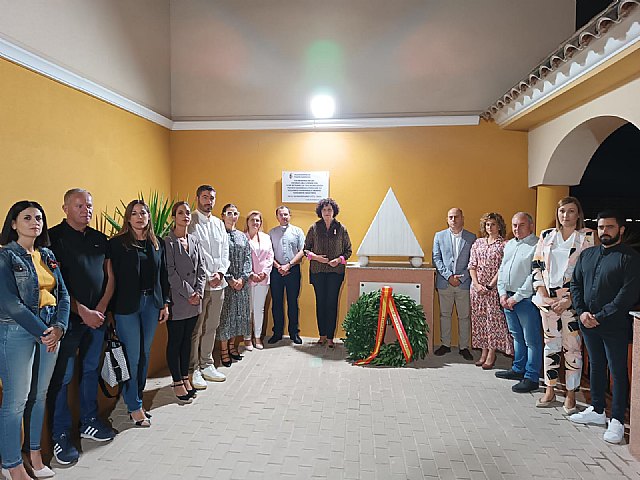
{"x": 525, "y": 386}
{"x": 94, "y": 429}
{"x": 274, "y": 339}
{"x": 509, "y": 375}
{"x": 296, "y": 339}
{"x": 442, "y": 349}
{"x": 64, "y": 451}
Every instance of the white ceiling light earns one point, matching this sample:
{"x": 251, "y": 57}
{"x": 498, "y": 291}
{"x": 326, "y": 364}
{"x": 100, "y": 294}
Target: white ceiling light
{"x": 323, "y": 106}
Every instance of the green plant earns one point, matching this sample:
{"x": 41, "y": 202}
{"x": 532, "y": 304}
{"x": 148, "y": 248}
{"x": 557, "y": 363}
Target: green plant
{"x": 361, "y": 323}
{"x": 159, "y": 207}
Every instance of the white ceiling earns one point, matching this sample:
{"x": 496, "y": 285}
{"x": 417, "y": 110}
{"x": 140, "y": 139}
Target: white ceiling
{"x": 241, "y": 59}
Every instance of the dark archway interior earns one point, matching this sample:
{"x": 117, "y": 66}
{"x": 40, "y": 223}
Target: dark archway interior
{"x": 611, "y": 181}
{"x": 587, "y": 9}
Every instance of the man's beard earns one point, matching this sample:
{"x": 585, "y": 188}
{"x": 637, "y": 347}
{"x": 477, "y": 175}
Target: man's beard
{"x": 205, "y": 208}
{"x": 609, "y": 240}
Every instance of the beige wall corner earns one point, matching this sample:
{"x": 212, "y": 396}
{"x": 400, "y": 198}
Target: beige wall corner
{"x": 560, "y": 150}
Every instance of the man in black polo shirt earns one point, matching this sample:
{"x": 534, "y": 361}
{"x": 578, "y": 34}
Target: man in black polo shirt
{"x": 82, "y": 254}
{"x": 605, "y": 285}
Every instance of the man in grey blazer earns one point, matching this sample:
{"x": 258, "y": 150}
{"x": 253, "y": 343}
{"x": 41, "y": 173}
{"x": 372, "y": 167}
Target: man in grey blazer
{"x": 451, "y": 249}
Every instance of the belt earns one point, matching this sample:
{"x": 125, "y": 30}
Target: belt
{"x": 147, "y": 292}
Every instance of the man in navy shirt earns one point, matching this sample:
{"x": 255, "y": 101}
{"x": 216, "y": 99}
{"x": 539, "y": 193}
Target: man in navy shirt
{"x": 605, "y": 285}
{"x": 83, "y": 257}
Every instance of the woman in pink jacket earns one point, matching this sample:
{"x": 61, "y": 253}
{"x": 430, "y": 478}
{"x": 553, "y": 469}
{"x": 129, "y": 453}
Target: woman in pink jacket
{"x": 262, "y": 262}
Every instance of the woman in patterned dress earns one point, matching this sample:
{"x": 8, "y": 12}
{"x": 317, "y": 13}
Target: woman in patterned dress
{"x": 488, "y": 325}
{"x": 235, "y": 319}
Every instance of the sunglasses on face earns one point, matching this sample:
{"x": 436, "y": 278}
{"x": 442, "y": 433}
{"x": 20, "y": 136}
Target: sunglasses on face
{"x": 232, "y": 214}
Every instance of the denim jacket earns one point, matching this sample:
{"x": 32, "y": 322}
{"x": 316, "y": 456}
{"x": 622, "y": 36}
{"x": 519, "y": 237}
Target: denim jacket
{"x": 19, "y": 292}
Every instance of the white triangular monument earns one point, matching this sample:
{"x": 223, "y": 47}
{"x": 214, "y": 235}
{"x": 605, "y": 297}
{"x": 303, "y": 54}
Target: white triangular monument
{"x": 390, "y": 235}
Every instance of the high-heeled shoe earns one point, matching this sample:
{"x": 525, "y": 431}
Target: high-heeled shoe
{"x": 183, "y": 398}
{"x": 225, "y": 359}
{"x": 234, "y": 354}
{"x": 489, "y": 365}
{"x": 44, "y": 472}
{"x": 146, "y": 423}
{"x": 192, "y": 392}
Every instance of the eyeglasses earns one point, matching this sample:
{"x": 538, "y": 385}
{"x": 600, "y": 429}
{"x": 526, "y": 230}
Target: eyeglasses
{"x": 232, "y": 214}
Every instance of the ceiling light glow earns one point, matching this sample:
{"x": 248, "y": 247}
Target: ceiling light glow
{"x": 323, "y": 106}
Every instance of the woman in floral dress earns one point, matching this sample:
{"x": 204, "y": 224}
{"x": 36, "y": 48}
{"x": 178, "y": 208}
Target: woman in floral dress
{"x": 488, "y": 325}
{"x": 235, "y": 319}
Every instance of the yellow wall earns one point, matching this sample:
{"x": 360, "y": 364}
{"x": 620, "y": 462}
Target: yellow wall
{"x": 548, "y": 197}
{"x": 53, "y": 138}
{"x": 72, "y": 139}
{"x": 431, "y": 169}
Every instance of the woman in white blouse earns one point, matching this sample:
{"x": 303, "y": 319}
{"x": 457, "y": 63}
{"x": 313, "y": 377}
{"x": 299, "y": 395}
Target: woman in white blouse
{"x": 553, "y": 262}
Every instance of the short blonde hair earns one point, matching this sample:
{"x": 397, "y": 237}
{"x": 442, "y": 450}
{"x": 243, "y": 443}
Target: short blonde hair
{"x": 254, "y": 213}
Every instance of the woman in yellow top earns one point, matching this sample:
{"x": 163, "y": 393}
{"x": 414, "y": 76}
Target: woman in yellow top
{"x": 34, "y": 311}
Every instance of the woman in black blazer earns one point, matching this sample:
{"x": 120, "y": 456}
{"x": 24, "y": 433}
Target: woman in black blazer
{"x": 140, "y": 300}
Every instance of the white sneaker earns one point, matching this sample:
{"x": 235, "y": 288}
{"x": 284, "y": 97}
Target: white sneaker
{"x": 615, "y": 432}
{"x": 197, "y": 381}
{"x": 589, "y": 417}
{"x": 210, "y": 373}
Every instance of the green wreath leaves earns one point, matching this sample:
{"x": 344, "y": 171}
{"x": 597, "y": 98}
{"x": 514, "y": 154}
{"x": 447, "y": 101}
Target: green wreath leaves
{"x": 361, "y": 324}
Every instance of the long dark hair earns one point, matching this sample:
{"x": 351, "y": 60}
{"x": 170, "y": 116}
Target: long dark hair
{"x": 9, "y": 235}
{"x": 127, "y": 232}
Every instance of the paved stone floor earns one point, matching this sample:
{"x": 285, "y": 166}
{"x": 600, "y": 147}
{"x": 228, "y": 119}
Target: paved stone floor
{"x": 304, "y": 412}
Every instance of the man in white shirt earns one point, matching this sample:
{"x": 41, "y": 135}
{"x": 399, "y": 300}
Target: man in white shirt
{"x": 451, "y": 251}
{"x": 214, "y": 246}
{"x": 523, "y": 318}
{"x": 288, "y": 250}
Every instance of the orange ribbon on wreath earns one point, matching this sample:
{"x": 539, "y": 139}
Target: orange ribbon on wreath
{"x": 388, "y": 308}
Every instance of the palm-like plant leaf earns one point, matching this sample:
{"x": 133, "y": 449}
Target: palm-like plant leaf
{"x": 159, "y": 208}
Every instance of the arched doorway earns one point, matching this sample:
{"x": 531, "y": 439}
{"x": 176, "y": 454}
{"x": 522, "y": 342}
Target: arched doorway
{"x": 610, "y": 180}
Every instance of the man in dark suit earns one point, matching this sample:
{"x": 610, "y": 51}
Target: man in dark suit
{"x": 451, "y": 250}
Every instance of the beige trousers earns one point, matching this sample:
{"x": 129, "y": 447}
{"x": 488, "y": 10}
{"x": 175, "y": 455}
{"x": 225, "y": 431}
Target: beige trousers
{"x": 459, "y": 297}
{"x": 203, "y": 338}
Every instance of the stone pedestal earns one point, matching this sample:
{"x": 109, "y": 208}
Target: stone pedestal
{"x": 634, "y": 415}
{"x": 395, "y": 273}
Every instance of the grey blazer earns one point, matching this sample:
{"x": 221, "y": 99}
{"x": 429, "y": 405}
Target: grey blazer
{"x": 186, "y": 275}
{"x": 443, "y": 258}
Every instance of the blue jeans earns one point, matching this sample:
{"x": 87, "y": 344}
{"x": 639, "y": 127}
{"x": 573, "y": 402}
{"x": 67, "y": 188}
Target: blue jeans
{"x": 136, "y": 332}
{"x": 525, "y": 327}
{"x": 25, "y": 371}
{"x": 88, "y": 344}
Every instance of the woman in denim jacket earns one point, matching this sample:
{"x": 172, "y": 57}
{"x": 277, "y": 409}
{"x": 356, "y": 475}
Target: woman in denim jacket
{"x": 34, "y": 311}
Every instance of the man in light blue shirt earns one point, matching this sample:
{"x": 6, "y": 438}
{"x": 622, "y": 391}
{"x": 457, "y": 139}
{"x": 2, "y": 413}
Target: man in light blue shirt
{"x": 288, "y": 245}
{"x": 515, "y": 289}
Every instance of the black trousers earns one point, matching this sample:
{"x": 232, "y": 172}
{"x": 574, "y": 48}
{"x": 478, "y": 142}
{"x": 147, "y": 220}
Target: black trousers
{"x": 608, "y": 346}
{"x": 327, "y": 288}
{"x": 279, "y": 285}
{"x": 179, "y": 346}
